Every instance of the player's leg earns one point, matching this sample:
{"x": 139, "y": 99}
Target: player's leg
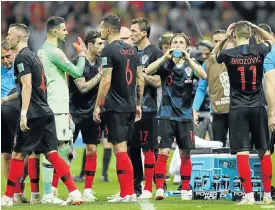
{"x": 34, "y": 175}
{"x": 50, "y": 145}
{"x": 240, "y": 144}
{"x": 106, "y": 158}
{"x": 261, "y": 139}
{"x": 120, "y": 126}
{"x": 220, "y": 127}
{"x": 166, "y": 132}
{"x": 25, "y": 143}
{"x": 107, "y": 150}
{"x": 64, "y": 135}
{"x": 134, "y": 152}
{"x": 149, "y": 143}
{"x": 186, "y": 141}
{"x": 91, "y": 135}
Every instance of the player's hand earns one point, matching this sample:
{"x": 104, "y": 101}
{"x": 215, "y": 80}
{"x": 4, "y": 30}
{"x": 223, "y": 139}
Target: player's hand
{"x": 271, "y": 123}
{"x": 138, "y": 113}
{"x": 80, "y": 47}
{"x": 23, "y": 123}
{"x": 71, "y": 124}
{"x": 186, "y": 55}
{"x": 96, "y": 114}
{"x": 230, "y": 29}
{"x": 168, "y": 54}
{"x": 196, "y": 115}
{"x": 2, "y": 101}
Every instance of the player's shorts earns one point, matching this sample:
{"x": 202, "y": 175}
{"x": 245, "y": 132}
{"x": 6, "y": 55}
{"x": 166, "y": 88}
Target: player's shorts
{"x": 63, "y": 130}
{"x": 120, "y": 126}
{"x": 242, "y": 122}
{"x": 146, "y": 132}
{"x": 41, "y": 137}
{"x": 182, "y": 131}
{"x": 9, "y": 121}
{"x": 90, "y": 130}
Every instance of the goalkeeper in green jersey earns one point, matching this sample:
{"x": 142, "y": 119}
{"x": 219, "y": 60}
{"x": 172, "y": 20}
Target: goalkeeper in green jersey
{"x": 56, "y": 65}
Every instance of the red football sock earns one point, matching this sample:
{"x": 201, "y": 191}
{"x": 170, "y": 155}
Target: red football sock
{"x": 34, "y": 173}
{"x": 62, "y": 170}
{"x": 15, "y": 174}
{"x": 244, "y": 172}
{"x": 185, "y": 172}
{"x": 90, "y": 168}
{"x": 149, "y": 167}
{"x": 266, "y": 169}
{"x": 160, "y": 170}
{"x": 55, "y": 179}
{"x": 125, "y": 174}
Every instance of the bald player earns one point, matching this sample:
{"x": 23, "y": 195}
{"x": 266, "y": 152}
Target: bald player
{"x": 125, "y": 35}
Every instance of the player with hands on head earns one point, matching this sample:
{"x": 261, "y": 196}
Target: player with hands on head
{"x": 247, "y": 113}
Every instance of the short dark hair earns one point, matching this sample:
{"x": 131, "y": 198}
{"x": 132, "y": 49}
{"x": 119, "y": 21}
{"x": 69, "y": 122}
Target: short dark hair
{"x": 91, "y": 37}
{"x": 243, "y": 29}
{"x": 54, "y": 22}
{"x": 144, "y": 25}
{"x": 266, "y": 27}
{"x": 5, "y": 45}
{"x": 187, "y": 39}
{"x": 219, "y": 31}
{"x": 21, "y": 27}
{"x": 112, "y": 21}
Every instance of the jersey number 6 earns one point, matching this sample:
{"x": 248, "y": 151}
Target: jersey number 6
{"x": 128, "y": 73}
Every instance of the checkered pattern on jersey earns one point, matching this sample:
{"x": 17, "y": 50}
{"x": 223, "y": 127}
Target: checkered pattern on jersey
{"x": 177, "y": 85}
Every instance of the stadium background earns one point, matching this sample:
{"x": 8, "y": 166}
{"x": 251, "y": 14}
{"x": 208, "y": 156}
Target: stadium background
{"x": 173, "y": 16}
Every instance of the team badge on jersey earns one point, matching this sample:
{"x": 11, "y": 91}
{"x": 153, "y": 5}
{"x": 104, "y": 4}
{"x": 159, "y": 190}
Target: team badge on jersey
{"x": 188, "y": 71}
{"x": 144, "y": 59}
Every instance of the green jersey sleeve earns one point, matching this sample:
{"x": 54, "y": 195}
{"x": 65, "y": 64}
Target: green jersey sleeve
{"x": 60, "y": 59}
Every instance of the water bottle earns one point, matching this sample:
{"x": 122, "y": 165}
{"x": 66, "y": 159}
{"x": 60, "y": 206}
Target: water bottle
{"x": 236, "y": 184}
{"x": 226, "y": 181}
{"x": 205, "y": 180}
{"x": 216, "y": 183}
{"x": 177, "y": 54}
{"x": 197, "y": 184}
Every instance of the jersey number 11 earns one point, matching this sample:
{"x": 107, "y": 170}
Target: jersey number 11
{"x": 254, "y": 77}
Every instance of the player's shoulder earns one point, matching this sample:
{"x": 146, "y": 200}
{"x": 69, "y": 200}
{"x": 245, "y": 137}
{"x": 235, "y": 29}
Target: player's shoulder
{"x": 153, "y": 48}
{"x": 24, "y": 55}
{"x": 230, "y": 52}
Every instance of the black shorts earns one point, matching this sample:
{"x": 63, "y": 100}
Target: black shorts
{"x": 120, "y": 126}
{"x": 183, "y": 131}
{"x": 220, "y": 126}
{"x": 41, "y": 137}
{"x": 9, "y": 121}
{"x": 90, "y": 130}
{"x": 146, "y": 132}
{"x": 246, "y": 121}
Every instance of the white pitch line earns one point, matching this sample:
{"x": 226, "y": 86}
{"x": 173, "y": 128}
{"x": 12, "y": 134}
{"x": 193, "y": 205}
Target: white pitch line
{"x": 145, "y": 204}
{"x": 268, "y": 207}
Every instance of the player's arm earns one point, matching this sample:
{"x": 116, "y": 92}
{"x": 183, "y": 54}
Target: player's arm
{"x": 140, "y": 85}
{"x": 104, "y": 85}
{"x": 200, "y": 93}
{"x": 152, "y": 80}
{"x": 26, "y": 81}
{"x": 10, "y": 97}
{"x": 269, "y": 69}
{"x": 153, "y": 67}
{"x": 199, "y": 71}
{"x": 220, "y": 46}
{"x": 84, "y": 86}
{"x": 262, "y": 33}
{"x": 60, "y": 59}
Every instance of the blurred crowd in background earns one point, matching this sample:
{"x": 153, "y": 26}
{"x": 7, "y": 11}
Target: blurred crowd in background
{"x": 164, "y": 16}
